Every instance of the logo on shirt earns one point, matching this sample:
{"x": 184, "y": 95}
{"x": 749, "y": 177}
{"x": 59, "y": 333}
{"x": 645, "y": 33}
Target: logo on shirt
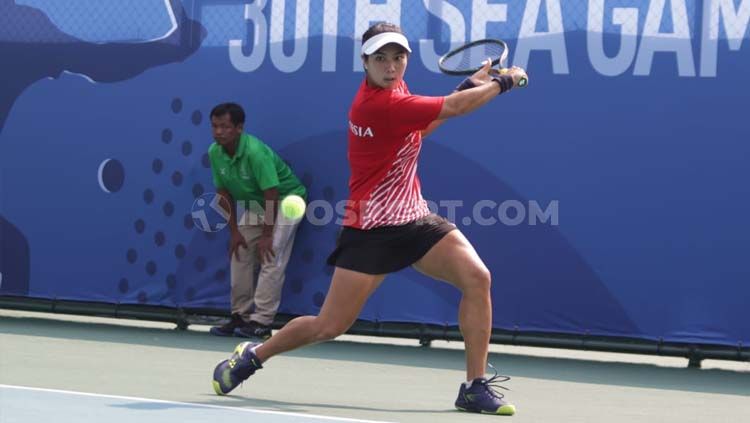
{"x": 223, "y": 171}
{"x": 360, "y": 131}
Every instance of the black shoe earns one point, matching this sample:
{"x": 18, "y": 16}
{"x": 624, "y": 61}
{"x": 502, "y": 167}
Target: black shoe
{"x": 228, "y": 328}
{"x": 253, "y": 330}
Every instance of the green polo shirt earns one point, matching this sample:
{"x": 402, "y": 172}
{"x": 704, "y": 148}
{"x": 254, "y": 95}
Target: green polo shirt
{"x": 253, "y": 169}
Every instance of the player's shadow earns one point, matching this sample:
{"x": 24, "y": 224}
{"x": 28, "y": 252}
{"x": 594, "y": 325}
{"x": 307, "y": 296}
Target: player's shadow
{"x": 243, "y": 404}
{"x": 302, "y": 407}
{"x": 155, "y": 406}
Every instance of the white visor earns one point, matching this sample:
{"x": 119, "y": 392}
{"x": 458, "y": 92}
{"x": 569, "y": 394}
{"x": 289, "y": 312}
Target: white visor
{"x": 375, "y": 43}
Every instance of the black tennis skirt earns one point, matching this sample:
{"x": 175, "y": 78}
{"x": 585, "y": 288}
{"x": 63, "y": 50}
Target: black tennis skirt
{"x": 388, "y": 249}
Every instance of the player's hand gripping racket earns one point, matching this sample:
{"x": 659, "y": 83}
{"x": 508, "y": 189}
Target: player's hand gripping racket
{"x": 470, "y": 57}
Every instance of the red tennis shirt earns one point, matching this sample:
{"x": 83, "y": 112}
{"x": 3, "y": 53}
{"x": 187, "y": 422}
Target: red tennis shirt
{"x": 384, "y": 142}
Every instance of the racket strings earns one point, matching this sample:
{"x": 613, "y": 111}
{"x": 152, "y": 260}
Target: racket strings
{"x": 472, "y": 57}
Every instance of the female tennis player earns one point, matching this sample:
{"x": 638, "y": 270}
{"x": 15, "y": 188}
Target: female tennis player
{"x": 387, "y": 225}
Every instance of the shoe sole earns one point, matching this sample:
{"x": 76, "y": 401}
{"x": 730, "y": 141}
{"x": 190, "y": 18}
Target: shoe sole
{"x": 215, "y": 383}
{"x": 505, "y": 410}
{"x": 217, "y": 388}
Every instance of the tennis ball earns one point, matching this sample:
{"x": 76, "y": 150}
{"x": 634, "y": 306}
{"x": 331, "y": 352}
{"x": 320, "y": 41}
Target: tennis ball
{"x": 293, "y": 207}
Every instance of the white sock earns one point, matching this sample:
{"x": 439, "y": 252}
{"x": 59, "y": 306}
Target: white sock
{"x": 255, "y": 348}
{"x": 468, "y": 383}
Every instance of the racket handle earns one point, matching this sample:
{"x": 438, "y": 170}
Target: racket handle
{"x": 522, "y": 83}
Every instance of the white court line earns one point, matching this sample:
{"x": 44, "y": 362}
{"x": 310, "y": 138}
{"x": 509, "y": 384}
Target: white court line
{"x": 220, "y": 407}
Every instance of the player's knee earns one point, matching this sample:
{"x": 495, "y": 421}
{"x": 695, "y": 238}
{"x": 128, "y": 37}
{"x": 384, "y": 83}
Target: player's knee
{"x": 481, "y": 278}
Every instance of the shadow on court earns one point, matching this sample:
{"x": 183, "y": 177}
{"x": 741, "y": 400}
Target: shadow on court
{"x": 154, "y": 406}
{"x": 286, "y": 406}
{"x": 560, "y": 369}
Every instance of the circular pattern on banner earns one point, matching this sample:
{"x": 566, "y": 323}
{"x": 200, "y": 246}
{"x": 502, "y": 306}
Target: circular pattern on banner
{"x": 111, "y": 175}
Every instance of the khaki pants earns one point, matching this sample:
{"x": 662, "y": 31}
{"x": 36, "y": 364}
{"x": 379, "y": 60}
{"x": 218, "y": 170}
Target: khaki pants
{"x": 259, "y": 302}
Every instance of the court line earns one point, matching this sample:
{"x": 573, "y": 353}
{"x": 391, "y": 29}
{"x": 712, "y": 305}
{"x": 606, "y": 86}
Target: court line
{"x": 220, "y": 407}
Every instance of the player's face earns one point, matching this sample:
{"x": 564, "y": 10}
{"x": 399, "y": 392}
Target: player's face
{"x": 224, "y": 131}
{"x": 386, "y": 67}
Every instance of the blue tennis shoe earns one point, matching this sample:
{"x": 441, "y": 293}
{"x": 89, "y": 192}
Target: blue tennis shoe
{"x": 483, "y": 397}
{"x": 232, "y": 372}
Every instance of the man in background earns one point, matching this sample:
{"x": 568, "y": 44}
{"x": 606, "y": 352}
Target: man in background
{"x": 248, "y": 173}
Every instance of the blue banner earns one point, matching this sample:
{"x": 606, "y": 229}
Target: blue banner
{"x": 608, "y": 198}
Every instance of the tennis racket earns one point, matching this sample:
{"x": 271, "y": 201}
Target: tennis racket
{"x": 470, "y": 57}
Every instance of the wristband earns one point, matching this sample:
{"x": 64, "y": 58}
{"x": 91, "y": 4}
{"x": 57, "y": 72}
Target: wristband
{"x": 465, "y": 85}
{"x": 504, "y": 81}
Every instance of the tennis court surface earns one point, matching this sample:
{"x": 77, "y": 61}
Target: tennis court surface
{"x": 79, "y": 369}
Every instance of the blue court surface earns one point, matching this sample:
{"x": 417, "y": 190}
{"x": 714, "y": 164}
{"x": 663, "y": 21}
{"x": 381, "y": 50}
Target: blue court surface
{"x": 20, "y": 404}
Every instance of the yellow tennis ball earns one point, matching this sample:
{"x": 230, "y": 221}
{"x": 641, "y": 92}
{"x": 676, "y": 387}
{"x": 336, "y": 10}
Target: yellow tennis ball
{"x": 293, "y": 207}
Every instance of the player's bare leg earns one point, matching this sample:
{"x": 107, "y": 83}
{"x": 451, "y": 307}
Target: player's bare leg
{"x": 455, "y": 261}
{"x": 347, "y": 295}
